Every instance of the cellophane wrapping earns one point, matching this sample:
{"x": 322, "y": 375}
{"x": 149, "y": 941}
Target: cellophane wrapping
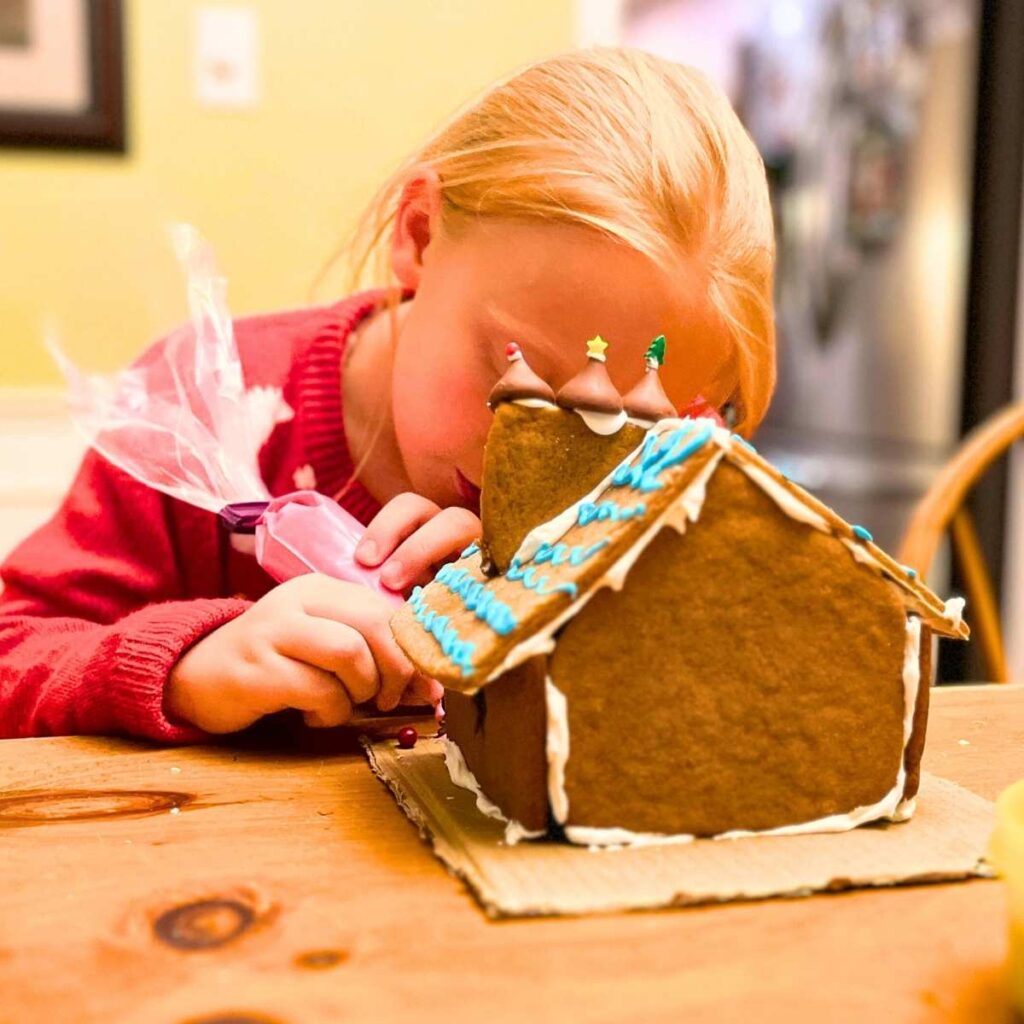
{"x": 182, "y": 420}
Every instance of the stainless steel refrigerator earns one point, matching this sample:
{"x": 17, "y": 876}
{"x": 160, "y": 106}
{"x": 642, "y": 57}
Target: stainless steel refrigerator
{"x": 863, "y": 111}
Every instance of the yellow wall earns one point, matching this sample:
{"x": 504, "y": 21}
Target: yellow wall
{"x": 349, "y": 86}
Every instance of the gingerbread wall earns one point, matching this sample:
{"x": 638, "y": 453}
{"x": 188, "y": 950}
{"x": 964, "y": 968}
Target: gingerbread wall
{"x": 748, "y": 675}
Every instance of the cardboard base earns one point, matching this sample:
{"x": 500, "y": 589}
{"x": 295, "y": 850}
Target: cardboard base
{"x": 945, "y": 841}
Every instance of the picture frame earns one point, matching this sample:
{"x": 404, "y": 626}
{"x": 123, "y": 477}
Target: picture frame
{"x": 62, "y": 74}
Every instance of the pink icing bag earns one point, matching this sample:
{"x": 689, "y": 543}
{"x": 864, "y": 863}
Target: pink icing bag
{"x": 306, "y": 532}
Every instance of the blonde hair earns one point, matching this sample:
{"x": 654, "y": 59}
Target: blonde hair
{"x": 644, "y": 150}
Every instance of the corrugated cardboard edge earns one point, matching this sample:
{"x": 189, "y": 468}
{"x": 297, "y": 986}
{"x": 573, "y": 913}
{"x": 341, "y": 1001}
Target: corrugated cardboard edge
{"x": 454, "y": 855}
{"x": 424, "y": 805}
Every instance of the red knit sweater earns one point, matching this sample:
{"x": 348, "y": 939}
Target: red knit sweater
{"x": 99, "y": 603}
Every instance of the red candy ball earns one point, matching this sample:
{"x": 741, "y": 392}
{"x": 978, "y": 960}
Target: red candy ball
{"x": 407, "y": 737}
{"x": 511, "y": 350}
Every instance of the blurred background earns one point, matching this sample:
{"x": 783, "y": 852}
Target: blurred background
{"x": 892, "y": 131}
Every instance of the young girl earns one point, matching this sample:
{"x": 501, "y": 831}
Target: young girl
{"x": 603, "y": 191}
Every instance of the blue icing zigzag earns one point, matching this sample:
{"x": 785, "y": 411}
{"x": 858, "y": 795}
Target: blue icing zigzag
{"x": 530, "y": 581}
{"x": 658, "y": 454}
{"x": 459, "y": 651}
{"x": 559, "y": 554}
{"x": 588, "y": 512}
{"x": 556, "y": 554}
{"x": 478, "y": 599}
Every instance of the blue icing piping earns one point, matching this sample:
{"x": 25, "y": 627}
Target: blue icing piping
{"x": 471, "y": 550}
{"x": 588, "y": 512}
{"x": 559, "y": 554}
{"x": 556, "y": 554}
{"x": 861, "y": 534}
{"x": 528, "y": 577}
{"x": 743, "y": 441}
{"x": 659, "y": 454}
{"x": 478, "y": 599}
{"x": 459, "y": 652}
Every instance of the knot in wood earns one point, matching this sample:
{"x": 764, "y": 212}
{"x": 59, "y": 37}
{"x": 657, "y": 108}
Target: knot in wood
{"x": 203, "y": 924}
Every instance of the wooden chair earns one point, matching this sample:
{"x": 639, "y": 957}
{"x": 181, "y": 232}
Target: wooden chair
{"x": 942, "y": 508}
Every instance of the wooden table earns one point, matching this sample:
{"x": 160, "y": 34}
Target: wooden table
{"x": 229, "y": 884}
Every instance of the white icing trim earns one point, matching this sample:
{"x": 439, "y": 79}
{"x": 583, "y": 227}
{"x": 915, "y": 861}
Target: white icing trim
{"x": 863, "y": 555}
{"x": 557, "y": 749}
{"x": 905, "y": 809}
{"x": 534, "y": 403}
{"x": 691, "y": 501}
{"x": 620, "y": 838}
{"x": 954, "y": 610}
{"x": 459, "y": 773}
{"x": 783, "y": 497}
{"x": 911, "y": 676}
{"x": 603, "y": 423}
{"x": 516, "y": 832}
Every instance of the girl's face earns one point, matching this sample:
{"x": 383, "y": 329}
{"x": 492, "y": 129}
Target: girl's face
{"x": 548, "y": 287}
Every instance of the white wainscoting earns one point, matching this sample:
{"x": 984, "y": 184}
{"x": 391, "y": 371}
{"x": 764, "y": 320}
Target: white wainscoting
{"x": 39, "y": 453}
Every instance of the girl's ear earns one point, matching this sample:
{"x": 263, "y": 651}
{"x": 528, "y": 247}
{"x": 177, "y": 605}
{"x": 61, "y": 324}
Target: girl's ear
{"x": 417, "y": 221}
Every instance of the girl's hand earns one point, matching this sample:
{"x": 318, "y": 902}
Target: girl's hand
{"x": 411, "y": 535}
{"x": 314, "y": 643}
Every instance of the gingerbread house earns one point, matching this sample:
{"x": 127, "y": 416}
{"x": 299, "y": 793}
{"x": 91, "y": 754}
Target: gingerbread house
{"x": 659, "y": 636}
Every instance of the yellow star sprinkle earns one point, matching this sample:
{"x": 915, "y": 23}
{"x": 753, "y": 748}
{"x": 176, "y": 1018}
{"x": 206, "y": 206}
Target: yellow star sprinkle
{"x": 596, "y": 347}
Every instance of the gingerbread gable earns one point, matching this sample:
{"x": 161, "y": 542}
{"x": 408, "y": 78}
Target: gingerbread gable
{"x": 466, "y": 629}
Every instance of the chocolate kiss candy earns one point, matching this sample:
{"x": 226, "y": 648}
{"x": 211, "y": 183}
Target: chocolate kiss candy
{"x": 591, "y": 389}
{"x": 518, "y": 381}
{"x": 647, "y": 400}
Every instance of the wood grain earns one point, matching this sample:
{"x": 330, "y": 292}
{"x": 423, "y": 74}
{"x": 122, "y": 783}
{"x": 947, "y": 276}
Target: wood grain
{"x": 158, "y": 885}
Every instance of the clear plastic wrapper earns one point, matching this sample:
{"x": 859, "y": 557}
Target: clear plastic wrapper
{"x": 182, "y": 421}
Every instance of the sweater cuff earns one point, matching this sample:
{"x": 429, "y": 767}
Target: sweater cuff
{"x": 154, "y": 640}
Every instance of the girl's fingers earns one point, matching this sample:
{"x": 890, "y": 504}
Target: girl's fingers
{"x": 423, "y": 690}
{"x": 325, "y": 598}
{"x": 442, "y": 537}
{"x": 392, "y": 524}
{"x": 313, "y": 691}
{"x": 394, "y": 667}
{"x": 333, "y": 646}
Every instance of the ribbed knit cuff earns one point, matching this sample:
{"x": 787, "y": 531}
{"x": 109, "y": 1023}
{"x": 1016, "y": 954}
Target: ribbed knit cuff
{"x": 152, "y": 642}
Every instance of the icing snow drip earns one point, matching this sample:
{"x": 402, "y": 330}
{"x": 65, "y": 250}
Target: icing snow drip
{"x": 911, "y": 686}
{"x": 459, "y": 773}
{"x": 620, "y": 838}
{"x": 687, "y": 507}
{"x": 557, "y": 750}
{"x": 954, "y": 610}
{"x": 603, "y": 423}
{"x": 534, "y": 403}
